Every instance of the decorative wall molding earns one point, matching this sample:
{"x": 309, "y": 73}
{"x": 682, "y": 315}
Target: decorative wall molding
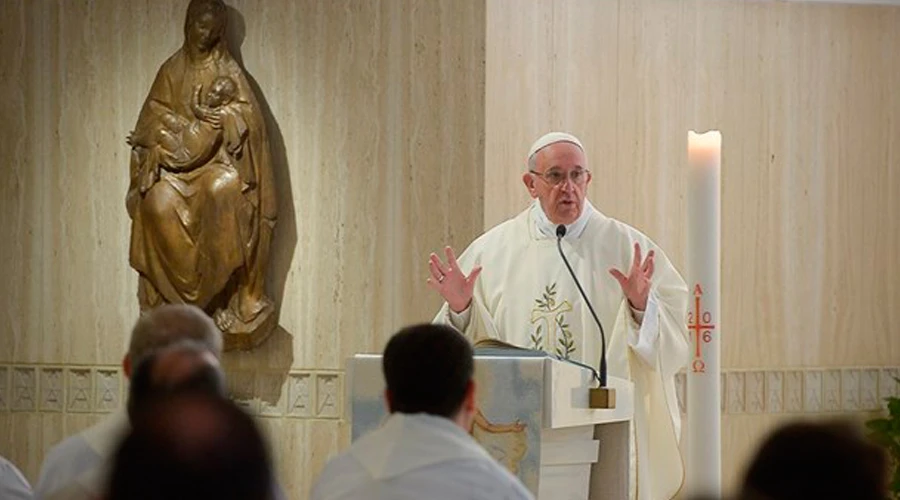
{"x": 60, "y": 388}
{"x": 24, "y": 395}
{"x": 52, "y": 393}
{"x": 319, "y": 394}
{"x": 808, "y": 390}
{"x": 4, "y": 388}
{"x": 301, "y": 394}
{"x": 889, "y": 3}
{"x": 895, "y": 3}
{"x": 79, "y": 390}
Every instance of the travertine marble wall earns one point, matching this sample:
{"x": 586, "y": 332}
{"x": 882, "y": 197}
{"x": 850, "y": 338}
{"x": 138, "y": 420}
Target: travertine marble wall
{"x": 377, "y": 117}
{"x": 400, "y": 126}
{"x": 805, "y": 95}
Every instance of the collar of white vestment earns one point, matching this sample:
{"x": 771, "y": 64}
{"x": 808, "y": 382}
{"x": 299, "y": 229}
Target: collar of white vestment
{"x": 544, "y": 227}
{"x": 406, "y": 442}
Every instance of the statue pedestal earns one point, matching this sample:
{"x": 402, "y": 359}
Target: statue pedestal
{"x": 244, "y": 336}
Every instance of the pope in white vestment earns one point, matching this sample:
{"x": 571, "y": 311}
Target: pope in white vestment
{"x": 511, "y": 284}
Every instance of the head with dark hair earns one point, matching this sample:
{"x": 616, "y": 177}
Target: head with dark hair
{"x": 428, "y": 369}
{"x": 191, "y": 445}
{"x": 185, "y": 366}
{"x": 816, "y": 460}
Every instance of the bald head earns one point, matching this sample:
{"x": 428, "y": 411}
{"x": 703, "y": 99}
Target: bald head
{"x": 170, "y": 324}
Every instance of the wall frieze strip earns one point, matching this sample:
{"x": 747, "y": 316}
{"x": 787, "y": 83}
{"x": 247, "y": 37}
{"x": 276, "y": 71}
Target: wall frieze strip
{"x": 802, "y": 390}
{"x": 308, "y": 394}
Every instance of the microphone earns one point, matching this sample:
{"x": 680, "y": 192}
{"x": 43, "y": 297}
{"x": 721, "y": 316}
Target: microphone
{"x": 602, "y": 397}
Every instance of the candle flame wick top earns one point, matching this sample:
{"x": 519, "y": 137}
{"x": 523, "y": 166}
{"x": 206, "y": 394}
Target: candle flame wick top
{"x": 704, "y": 148}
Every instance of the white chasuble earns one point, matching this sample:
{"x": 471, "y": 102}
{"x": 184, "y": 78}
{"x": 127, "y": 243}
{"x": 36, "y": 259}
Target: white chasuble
{"x": 525, "y": 296}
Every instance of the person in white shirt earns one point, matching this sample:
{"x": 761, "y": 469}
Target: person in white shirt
{"x": 423, "y": 449}
{"x": 77, "y": 468}
{"x": 13, "y": 485}
{"x": 511, "y": 284}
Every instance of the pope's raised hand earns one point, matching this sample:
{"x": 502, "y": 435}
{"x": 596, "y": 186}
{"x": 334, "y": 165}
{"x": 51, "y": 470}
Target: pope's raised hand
{"x": 636, "y": 285}
{"x": 449, "y": 281}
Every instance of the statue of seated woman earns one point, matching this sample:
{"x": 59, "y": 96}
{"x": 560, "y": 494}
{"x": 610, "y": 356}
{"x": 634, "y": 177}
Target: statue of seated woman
{"x": 201, "y": 197}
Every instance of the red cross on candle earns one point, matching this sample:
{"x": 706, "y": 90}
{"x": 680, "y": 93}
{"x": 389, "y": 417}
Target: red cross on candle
{"x": 702, "y": 326}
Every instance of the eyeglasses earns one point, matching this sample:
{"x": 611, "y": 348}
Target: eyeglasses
{"x": 555, "y": 176}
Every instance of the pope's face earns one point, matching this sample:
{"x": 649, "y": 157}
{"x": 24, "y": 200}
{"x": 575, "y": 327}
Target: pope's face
{"x": 562, "y": 202}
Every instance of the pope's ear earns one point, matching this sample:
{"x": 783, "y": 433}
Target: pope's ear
{"x": 528, "y": 180}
